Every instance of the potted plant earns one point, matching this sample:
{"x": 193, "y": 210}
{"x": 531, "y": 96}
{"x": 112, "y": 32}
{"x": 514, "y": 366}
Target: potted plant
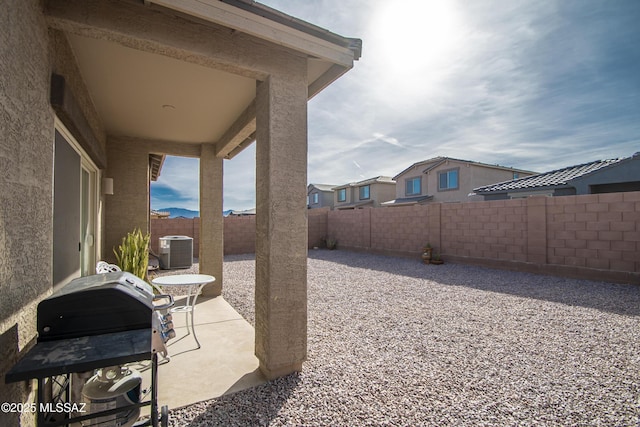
{"x": 437, "y": 259}
{"x": 426, "y": 253}
{"x": 133, "y": 253}
{"x": 331, "y": 243}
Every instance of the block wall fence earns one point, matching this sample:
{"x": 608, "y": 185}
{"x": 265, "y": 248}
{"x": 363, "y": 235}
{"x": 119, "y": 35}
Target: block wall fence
{"x": 594, "y": 236}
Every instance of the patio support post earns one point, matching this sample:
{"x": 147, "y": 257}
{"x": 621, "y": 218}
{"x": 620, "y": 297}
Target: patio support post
{"x": 211, "y": 220}
{"x": 281, "y": 222}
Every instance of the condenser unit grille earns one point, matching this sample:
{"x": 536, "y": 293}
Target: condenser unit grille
{"x": 176, "y": 251}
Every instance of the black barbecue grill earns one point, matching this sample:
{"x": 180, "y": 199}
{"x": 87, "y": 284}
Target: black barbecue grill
{"x": 96, "y": 323}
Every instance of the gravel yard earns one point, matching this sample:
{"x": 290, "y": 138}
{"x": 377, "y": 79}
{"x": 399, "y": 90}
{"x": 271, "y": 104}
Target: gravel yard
{"x": 395, "y": 342}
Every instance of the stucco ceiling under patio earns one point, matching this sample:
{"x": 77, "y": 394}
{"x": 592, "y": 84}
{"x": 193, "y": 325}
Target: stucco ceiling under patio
{"x": 146, "y": 94}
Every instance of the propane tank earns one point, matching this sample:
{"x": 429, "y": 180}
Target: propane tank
{"x": 111, "y": 388}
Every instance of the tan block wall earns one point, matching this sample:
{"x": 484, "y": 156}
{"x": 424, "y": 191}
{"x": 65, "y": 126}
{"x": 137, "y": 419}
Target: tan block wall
{"x": 402, "y": 229}
{"x": 495, "y": 230}
{"x": 350, "y": 227}
{"x": 317, "y": 222}
{"x": 240, "y": 235}
{"x": 600, "y": 231}
{"x": 592, "y": 236}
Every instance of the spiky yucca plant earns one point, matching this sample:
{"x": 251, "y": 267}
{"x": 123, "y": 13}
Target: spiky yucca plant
{"x": 133, "y": 254}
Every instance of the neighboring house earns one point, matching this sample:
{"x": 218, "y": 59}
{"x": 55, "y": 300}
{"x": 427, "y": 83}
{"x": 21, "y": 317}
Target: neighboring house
{"x": 444, "y": 179}
{"x": 600, "y": 176}
{"x": 246, "y": 212}
{"x": 320, "y": 196}
{"x": 158, "y": 214}
{"x": 368, "y": 193}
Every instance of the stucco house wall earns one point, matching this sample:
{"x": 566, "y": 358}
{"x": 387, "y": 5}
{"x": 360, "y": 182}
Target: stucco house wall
{"x": 325, "y": 196}
{"x": 381, "y": 189}
{"x": 26, "y": 204}
{"x": 622, "y": 176}
{"x": 596, "y": 177}
{"x": 29, "y": 54}
{"x": 470, "y": 175}
{"x": 381, "y": 192}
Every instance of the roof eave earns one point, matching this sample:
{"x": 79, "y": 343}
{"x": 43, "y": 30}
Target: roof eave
{"x": 269, "y": 24}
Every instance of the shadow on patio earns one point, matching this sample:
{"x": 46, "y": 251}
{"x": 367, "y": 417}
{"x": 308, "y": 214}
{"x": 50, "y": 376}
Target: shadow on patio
{"x": 224, "y": 364}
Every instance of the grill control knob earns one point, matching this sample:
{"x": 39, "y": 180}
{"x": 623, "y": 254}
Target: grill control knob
{"x": 167, "y": 326}
{"x": 168, "y": 335}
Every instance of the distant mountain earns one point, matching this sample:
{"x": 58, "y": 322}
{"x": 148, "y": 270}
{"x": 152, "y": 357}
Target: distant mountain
{"x": 180, "y": 212}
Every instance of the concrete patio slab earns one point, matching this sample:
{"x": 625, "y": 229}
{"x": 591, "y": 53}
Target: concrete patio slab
{"x": 224, "y": 364}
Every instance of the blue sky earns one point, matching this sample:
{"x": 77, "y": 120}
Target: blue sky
{"x": 533, "y": 84}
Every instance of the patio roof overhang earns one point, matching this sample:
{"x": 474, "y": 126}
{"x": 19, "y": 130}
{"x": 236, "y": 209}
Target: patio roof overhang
{"x": 204, "y": 78}
{"x": 147, "y": 68}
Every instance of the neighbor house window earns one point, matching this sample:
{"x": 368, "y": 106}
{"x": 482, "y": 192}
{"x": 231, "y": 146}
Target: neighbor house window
{"x": 448, "y": 180}
{"x": 516, "y": 175}
{"x": 315, "y": 198}
{"x": 364, "y": 192}
{"x": 342, "y": 195}
{"x": 413, "y": 186}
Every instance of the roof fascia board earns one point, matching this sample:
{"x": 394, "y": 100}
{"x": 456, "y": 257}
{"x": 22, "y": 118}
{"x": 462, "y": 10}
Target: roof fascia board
{"x": 238, "y": 19}
{"x": 332, "y": 74}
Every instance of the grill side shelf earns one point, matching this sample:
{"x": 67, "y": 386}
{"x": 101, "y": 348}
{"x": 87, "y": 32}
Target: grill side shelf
{"x": 81, "y": 354}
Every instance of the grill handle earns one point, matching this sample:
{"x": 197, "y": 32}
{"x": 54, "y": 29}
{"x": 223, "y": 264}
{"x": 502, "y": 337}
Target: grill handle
{"x": 162, "y": 297}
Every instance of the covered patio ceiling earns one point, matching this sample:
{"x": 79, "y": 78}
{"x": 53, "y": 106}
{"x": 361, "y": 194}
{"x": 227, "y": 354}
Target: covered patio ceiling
{"x": 141, "y": 93}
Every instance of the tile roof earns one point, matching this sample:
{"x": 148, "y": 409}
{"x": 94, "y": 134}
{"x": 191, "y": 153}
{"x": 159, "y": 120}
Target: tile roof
{"x": 322, "y": 187}
{"x": 554, "y": 178}
{"x": 377, "y": 179}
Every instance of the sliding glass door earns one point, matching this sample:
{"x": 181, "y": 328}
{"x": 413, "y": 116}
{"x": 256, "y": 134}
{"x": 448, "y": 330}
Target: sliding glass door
{"x": 74, "y": 210}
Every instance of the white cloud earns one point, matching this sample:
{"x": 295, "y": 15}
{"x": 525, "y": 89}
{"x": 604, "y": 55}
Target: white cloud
{"x": 534, "y": 84}
{"x": 240, "y": 180}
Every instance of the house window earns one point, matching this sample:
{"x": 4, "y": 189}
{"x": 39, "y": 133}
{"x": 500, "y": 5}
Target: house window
{"x": 516, "y": 175}
{"x": 342, "y": 195}
{"x": 315, "y": 198}
{"x": 448, "y": 180}
{"x": 364, "y": 192}
{"x": 413, "y": 186}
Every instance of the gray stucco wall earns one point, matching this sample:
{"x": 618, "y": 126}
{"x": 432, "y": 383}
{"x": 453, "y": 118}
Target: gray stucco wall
{"x": 627, "y": 171}
{"x": 26, "y": 167}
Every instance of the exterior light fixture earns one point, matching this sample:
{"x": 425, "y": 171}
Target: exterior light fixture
{"x": 107, "y": 186}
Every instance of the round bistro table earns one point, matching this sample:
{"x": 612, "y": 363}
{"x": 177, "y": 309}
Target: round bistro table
{"x": 193, "y": 282}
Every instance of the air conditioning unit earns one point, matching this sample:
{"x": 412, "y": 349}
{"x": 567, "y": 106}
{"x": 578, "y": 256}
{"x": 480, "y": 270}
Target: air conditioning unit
{"x": 176, "y": 252}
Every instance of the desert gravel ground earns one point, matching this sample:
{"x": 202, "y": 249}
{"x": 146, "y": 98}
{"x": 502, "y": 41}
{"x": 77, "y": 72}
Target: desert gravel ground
{"x": 395, "y": 342}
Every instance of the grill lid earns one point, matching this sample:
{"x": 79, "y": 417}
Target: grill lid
{"x": 93, "y": 305}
